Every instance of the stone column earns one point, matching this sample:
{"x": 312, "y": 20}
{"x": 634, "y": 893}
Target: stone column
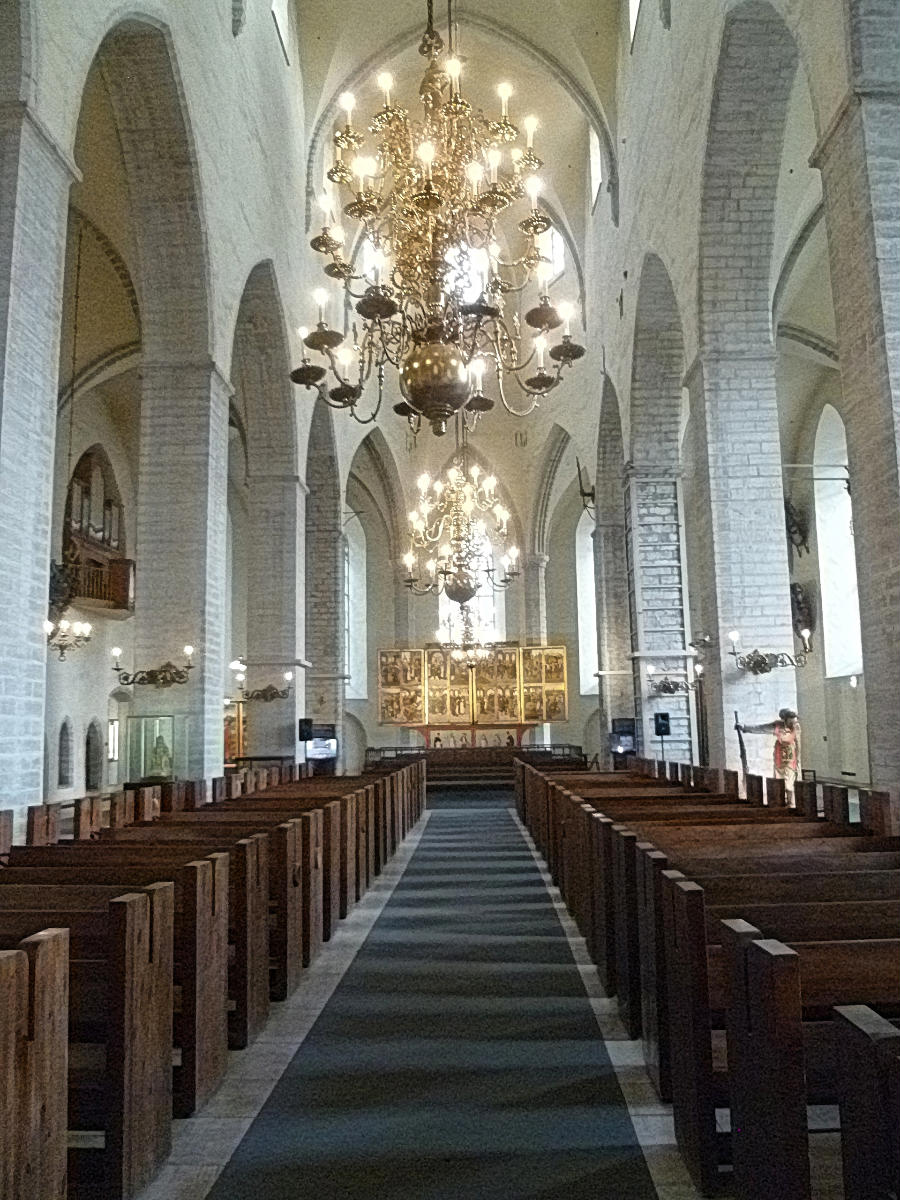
{"x": 616, "y": 690}
{"x": 657, "y": 596}
{"x": 180, "y": 594}
{"x": 34, "y": 187}
{"x": 859, "y": 157}
{"x": 739, "y": 545}
{"x": 275, "y": 632}
{"x": 326, "y": 679}
{"x": 534, "y": 579}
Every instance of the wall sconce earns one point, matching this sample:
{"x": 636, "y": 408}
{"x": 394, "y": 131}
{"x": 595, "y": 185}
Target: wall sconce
{"x": 160, "y": 677}
{"x": 587, "y": 491}
{"x": 268, "y": 693}
{"x": 670, "y": 687}
{"x": 64, "y": 635}
{"x": 762, "y": 662}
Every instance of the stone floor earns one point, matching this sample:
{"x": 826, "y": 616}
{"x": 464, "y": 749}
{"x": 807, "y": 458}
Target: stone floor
{"x": 443, "y": 1046}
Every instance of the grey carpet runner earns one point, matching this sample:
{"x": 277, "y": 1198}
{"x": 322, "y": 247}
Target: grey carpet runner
{"x": 459, "y": 1056}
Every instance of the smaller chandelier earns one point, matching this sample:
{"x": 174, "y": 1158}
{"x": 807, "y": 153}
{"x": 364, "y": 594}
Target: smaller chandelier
{"x": 449, "y": 526}
{"x": 268, "y": 693}
{"x": 64, "y": 635}
{"x": 468, "y": 649}
{"x": 762, "y": 662}
{"x": 160, "y": 677}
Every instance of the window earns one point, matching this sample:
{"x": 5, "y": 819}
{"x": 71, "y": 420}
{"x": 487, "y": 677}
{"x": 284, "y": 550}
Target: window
{"x": 112, "y": 741}
{"x": 551, "y": 246}
{"x": 282, "y": 24}
{"x": 634, "y": 7}
{"x": 586, "y": 596}
{"x": 596, "y": 163}
{"x": 64, "y": 771}
{"x": 93, "y": 759}
{"x": 841, "y": 633}
{"x": 355, "y": 600}
{"x": 487, "y": 607}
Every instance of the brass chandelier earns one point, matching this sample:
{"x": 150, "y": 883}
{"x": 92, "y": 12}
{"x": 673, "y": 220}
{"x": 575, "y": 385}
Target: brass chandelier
{"x": 469, "y": 649}
{"x": 449, "y": 527}
{"x": 436, "y": 299}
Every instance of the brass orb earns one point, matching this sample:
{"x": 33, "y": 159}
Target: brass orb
{"x": 460, "y": 587}
{"x": 434, "y": 379}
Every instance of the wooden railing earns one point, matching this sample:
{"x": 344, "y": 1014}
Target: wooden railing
{"x": 111, "y": 586}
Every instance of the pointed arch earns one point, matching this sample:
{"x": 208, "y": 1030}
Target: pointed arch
{"x": 260, "y": 365}
{"x": 65, "y": 753}
{"x": 93, "y": 757}
{"x": 557, "y": 442}
{"x": 375, "y": 455}
{"x": 743, "y": 155}
{"x": 140, "y": 70}
{"x": 657, "y": 369}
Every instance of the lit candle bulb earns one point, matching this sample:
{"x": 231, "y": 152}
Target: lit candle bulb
{"x": 116, "y": 652}
{"x": 516, "y": 155}
{"x": 347, "y": 101}
{"x": 408, "y": 559}
{"x": 426, "y": 155}
{"x": 326, "y": 205}
{"x": 734, "y": 637}
{"x": 386, "y": 82}
{"x": 475, "y": 174}
{"x": 540, "y": 344}
{"x": 513, "y": 553}
{"x": 189, "y": 652}
{"x": 302, "y": 333}
{"x": 531, "y": 124}
{"x": 321, "y": 298}
{"x": 566, "y": 311}
{"x": 444, "y": 552}
{"x": 413, "y": 516}
{"x": 544, "y": 271}
{"x": 651, "y": 670}
{"x": 344, "y": 356}
{"x": 48, "y": 628}
{"x": 533, "y": 188}
{"x": 423, "y": 482}
{"x": 430, "y": 566}
{"x": 490, "y": 483}
{"x": 377, "y": 265}
{"x": 494, "y": 157}
{"x": 337, "y": 234}
{"x": 288, "y": 676}
{"x": 453, "y": 69}
{"x": 476, "y": 369}
{"x": 504, "y": 91}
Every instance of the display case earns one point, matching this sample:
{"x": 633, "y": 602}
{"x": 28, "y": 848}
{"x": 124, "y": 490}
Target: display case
{"x": 152, "y": 748}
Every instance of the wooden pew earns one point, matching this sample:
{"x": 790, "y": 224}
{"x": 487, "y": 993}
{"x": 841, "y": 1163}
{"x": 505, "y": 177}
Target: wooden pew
{"x": 868, "y": 1062}
{"x": 284, "y": 872}
{"x": 200, "y": 966}
{"x": 120, "y": 1036}
{"x": 248, "y": 904}
{"x": 781, "y": 1046}
{"x": 34, "y": 1014}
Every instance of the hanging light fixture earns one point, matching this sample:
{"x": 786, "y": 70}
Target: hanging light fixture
{"x": 469, "y": 649}
{"x": 450, "y": 546}
{"x": 431, "y": 286}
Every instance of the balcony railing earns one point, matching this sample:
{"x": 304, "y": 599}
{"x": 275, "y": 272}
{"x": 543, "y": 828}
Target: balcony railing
{"x": 109, "y": 587}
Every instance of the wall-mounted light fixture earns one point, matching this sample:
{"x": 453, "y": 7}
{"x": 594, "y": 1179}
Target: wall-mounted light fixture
{"x": 268, "y": 693}
{"x": 161, "y": 677}
{"x": 762, "y": 662}
{"x": 666, "y": 686}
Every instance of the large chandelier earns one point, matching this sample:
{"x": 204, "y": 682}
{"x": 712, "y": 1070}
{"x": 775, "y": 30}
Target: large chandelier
{"x": 437, "y": 299}
{"x": 450, "y": 548}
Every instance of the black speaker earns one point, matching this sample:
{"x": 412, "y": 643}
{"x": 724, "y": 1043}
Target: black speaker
{"x": 305, "y": 729}
{"x": 661, "y": 724}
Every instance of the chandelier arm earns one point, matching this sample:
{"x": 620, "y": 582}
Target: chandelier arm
{"x": 514, "y": 412}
